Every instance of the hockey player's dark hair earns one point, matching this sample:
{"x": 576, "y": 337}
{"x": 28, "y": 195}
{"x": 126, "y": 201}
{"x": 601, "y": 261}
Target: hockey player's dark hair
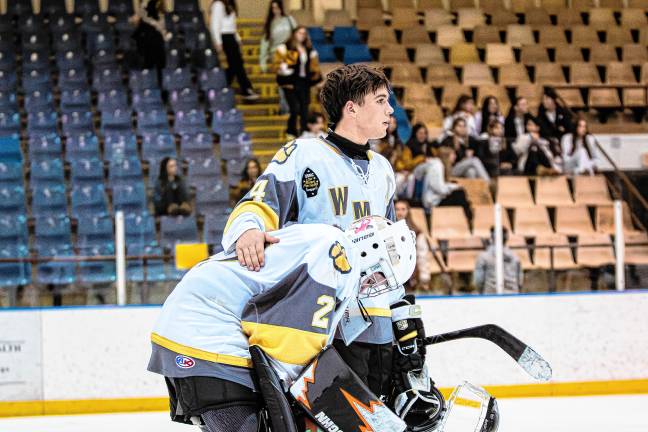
{"x": 350, "y": 83}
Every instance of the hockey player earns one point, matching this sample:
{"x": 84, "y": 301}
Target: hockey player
{"x": 290, "y": 309}
{"x": 332, "y": 180}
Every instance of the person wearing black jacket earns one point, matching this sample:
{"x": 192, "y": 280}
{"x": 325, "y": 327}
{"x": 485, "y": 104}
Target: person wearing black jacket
{"x": 555, "y": 120}
{"x": 170, "y": 197}
{"x": 515, "y": 123}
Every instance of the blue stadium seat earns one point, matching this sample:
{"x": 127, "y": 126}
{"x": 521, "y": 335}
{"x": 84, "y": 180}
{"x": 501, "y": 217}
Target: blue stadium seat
{"x": 13, "y": 230}
{"x": 95, "y": 23}
{"x": 326, "y": 53}
{"x": 184, "y": 100}
{"x": 126, "y": 170}
{"x": 95, "y": 230}
{"x": 212, "y": 199}
{"x": 404, "y": 126}
{"x": 77, "y": 123}
{"x": 8, "y": 81}
{"x": 9, "y": 147}
{"x": 148, "y": 100}
{"x": 12, "y": 200}
{"x": 190, "y": 122}
{"x": 221, "y": 100}
{"x": 116, "y": 121}
{"x": 176, "y": 79}
{"x": 97, "y": 272}
{"x": 45, "y": 147}
{"x": 73, "y": 79}
{"x": 8, "y": 102}
{"x": 11, "y": 174}
{"x": 37, "y": 41}
{"x": 176, "y": 57}
{"x": 234, "y": 171}
{"x": 7, "y": 61}
{"x": 235, "y": 146}
{"x": 346, "y": 36}
{"x": 212, "y": 79}
{"x": 120, "y": 7}
{"x": 76, "y": 100}
{"x": 317, "y": 35}
{"x": 140, "y": 229}
{"x": 82, "y": 146}
{"x": 53, "y": 238}
{"x": 42, "y": 123}
{"x": 9, "y": 125}
{"x": 14, "y": 274}
{"x": 177, "y": 229}
{"x": 62, "y": 23}
{"x": 113, "y": 100}
{"x": 140, "y": 80}
{"x": 106, "y": 79}
{"x": 68, "y": 41}
{"x": 196, "y": 146}
{"x": 89, "y": 200}
{"x": 86, "y": 7}
{"x": 49, "y": 200}
{"x": 36, "y": 61}
{"x": 129, "y": 198}
{"x": 70, "y": 59}
{"x": 106, "y": 59}
{"x": 46, "y": 173}
{"x": 204, "y": 59}
{"x": 227, "y": 122}
{"x": 39, "y": 101}
{"x": 213, "y": 229}
{"x": 156, "y": 147}
{"x": 358, "y": 53}
{"x": 31, "y": 23}
{"x": 204, "y": 172}
{"x": 120, "y": 145}
{"x": 152, "y": 122}
{"x": 155, "y": 268}
{"x": 53, "y": 7}
{"x": 19, "y": 7}
{"x": 86, "y": 172}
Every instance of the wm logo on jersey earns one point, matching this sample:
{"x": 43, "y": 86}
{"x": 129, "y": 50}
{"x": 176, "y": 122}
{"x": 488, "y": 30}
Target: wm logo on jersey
{"x": 284, "y": 153}
{"x": 361, "y": 209}
{"x": 340, "y": 261}
{"x": 340, "y": 200}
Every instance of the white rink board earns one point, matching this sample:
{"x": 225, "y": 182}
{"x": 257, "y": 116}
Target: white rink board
{"x": 91, "y": 353}
{"x": 20, "y": 356}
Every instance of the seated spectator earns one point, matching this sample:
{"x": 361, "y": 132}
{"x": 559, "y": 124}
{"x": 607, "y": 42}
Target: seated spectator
{"x": 515, "y": 123}
{"x": 315, "y": 126}
{"x": 388, "y": 145}
{"x": 464, "y": 109}
{"x": 438, "y": 190}
{"x": 553, "y": 118}
{"x": 467, "y": 164}
{"x": 534, "y": 152}
{"x": 495, "y": 152}
{"x": 422, "y": 274}
{"x": 249, "y": 176}
{"x": 490, "y": 111}
{"x": 484, "y": 275}
{"x": 407, "y": 157}
{"x": 170, "y": 196}
{"x": 579, "y": 150}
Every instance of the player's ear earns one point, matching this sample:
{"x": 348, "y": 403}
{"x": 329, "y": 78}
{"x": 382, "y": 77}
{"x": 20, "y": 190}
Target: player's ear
{"x": 350, "y": 108}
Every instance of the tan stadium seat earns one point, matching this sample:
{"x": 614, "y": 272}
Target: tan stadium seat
{"x": 400, "y": 4}
{"x": 532, "y": 54}
{"x": 436, "y": 18}
{"x": 572, "y": 97}
{"x": 490, "y": 6}
{"x": 633, "y": 18}
{"x": 532, "y": 221}
{"x": 639, "y": 4}
{"x": 440, "y": 75}
{"x": 582, "y": 5}
{"x": 404, "y": 18}
{"x": 514, "y": 192}
{"x": 553, "y": 191}
{"x": 405, "y": 74}
{"x": 619, "y": 73}
{"x": 425, "y": 5}
{"x": 605, "y": 219}
{"x": 584, "y": 36}
{"x": 470, "y": 18}
{"x": 337, "y": 18}
{"x": 553, "y": 6}
{"x": 552, "y": 36}
{"x": 612, "y": 4}
{"x": 513, "y": 75}
{"x": 369, "y": 18}
{"x": 428, "y": 54}
{"x": 537, "y": 17}
{"x": 591, "y": 190}
{"x": 449, "y": 35}
{"x": 495, "y": 90}
{"x": 304, "y": 17}
{"x": 462, "y": 4}
{"x": 562, "y": 256}
{"x": 604, "y": 98}
{"x": 417, "y": 216}
{"x": 568, "y": 54}
{"x": 549, "y": 74}
{"x": 449, "y": 222}
{"x": 518, "y": 35}
{"x": 428, "y": 114}
{"x": 484, "y": 219}
{"x": 602, "y": 54}
{"x": 644, "y": 74}
{"x": 450, "y": 94}
{"x": 595, "y": 256}
{"x": 618, "y": 36}
{"x": 532, "y": 93}
{"x": 477, "y": 191}
{"x": 634, "y": 53}
{"x": 498, "y": 54}
{"x": 584, "y": 74}
{"x": 369, "y": 4}
{"x": 463, "y": 53}
{"x": 520, "y": 248}
{"x": 475, "y": 74}
{"x": 573, "y": 220}
{"x": 601, "y": 18}
{"x": 393, "y": 55}
{"x": 634, "y": 252}
{"x": 521, "y": 6}
{"x": 417, "y": 94}
{"x": 464, "y": 260}
{"x": 568, "y": 17}
{"x": 634, "y": 97}
{"x": 414, "y": 36}
{"x": 381, "y": 35}
{"x": 485, "y": 34}
{"x": 503, "y": 18}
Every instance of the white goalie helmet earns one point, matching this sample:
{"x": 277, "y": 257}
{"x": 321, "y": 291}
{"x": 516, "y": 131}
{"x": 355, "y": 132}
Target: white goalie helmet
{"x": 387, "y": 252}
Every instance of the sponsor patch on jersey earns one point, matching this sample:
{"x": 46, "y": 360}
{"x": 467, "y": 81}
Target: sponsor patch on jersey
{"x": 340, "y": 260}
{"x": 284, "y": 153}
{"x": 310, "y": 183}
{"x": 185, "y": 362}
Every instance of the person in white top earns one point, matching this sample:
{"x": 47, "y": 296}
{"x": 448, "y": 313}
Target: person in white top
{"x": 579, "y": 150}
{"x": 277, "y": 30}
{"x": 465, "y": 109}
{"x": 226, "y": 39}
{"x": 438, "y": 190}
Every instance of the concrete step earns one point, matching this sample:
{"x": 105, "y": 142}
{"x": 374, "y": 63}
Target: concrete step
{"x": 260, "y": 109}
{"x": 265, "y": 120}
{"x": 277, "y": 132}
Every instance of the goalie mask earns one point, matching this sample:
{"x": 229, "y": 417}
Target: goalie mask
{"x": 387, "y": 252}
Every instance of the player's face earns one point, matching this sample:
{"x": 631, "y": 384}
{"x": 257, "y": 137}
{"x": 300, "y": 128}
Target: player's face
{"x": 373, "y": 116}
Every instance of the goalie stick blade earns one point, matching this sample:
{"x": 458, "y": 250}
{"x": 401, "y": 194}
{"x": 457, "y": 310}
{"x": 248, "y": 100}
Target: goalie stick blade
{"x": 535, "y": 365}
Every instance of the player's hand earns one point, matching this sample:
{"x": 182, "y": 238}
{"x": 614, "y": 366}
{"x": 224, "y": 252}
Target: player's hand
{"x": 250, "y": 248}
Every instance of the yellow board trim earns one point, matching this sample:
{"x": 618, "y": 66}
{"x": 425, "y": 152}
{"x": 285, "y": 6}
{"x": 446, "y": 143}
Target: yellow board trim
{"x": 200, "y": 354}
{"x": 263, "y": 210}
{"x": 97, "y": 406}
{"x": 379, "y": 312}
{"x": 286, "y": 344}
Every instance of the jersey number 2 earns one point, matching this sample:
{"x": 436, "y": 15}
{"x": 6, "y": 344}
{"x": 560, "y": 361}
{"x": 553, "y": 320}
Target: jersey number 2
{"x": 319, "y": 317}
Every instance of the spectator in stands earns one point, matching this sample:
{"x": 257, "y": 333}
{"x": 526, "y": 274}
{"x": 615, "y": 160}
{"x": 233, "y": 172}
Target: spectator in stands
{"x": 315, "y": 126}
{"x": 490, "y": 111}
{"x": 149, "y": 35}
{"x": 438, "y": 190}
{"x": 388, "y": 145}
{"x": 421, "y": 276}
{"x": 249, "y": 176}
{"x": 534, "y": 152}
{"x": 226, "y": 39}
{"x": 407, "y": 157}
{"x": 170, "y": 196}
{"x": 467, "y": 164}
{"x": 277, "y": 30}
{"x": 495, "y": 152}
{"x": 464, "y": 109}
{"x": 297, "y": 66}
{"x": 554, "y": 118}
{"x": 579, "y": 150}
{"x": 484, "y": 276}
{"x": 515, "y": 123}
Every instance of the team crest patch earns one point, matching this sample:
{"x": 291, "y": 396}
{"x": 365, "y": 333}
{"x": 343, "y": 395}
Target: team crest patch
{"x": 340, "y": 261}
{"x": 284, "y": 153}
{"x": 184, "y": 362}
{"x": 310, "y": 183}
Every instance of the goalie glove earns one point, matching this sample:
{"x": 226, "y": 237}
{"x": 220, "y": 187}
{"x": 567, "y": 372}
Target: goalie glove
{"x": 408, "y": 327}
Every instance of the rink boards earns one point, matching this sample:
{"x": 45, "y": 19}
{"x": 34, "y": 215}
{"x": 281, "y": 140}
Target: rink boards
{"x": 93, "y": 359}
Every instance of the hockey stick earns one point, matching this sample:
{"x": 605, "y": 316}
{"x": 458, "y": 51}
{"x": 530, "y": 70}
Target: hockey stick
{"x": 524, "y": 355}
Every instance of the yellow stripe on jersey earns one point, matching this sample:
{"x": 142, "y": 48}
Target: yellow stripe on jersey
{"x": 379, "y": 312}
{"x": 263, "y": 210}
{"x": 288, "y": 345}
{"x": 200, "y": 354}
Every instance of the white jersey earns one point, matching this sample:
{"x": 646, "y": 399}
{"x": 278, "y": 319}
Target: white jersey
{"x": 312, "y": 181}
{"x": 290, "y": 308}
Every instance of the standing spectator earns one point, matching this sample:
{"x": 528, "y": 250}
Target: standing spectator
{"x": 277, "y": 30}
{"x": 170, "y": 196}
{"x": 464, "y": 109}
{"x": 438, "y": 190}
{"x": 490, "y": 111}
{"x": 423, "y": 272}
{"x": 315, "y": 126}
{"x": 407, "y": 157}
{"x": 297, "y": 71}
{"x": 484, "y": 275}
{"x": 554, "y": 119}
{"x": 467, "y": 164}
{"x": 515, "y": 123}
{"x": 149, "y": 35}
{"x": 226, "y": 39}
{"x": 495, "y": 152}
{"x": 534, "y": 152}
{"x": 579, "y": 150}
{"x": 249, "y": 176}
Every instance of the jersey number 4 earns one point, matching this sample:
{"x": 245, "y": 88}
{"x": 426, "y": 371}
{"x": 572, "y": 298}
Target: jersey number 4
{"x": 319, "y": 317}
{"x": 257, "y": 193}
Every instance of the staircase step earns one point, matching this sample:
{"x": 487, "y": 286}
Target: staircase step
{"x": 265, "y": 120}
{"x": 277, "y": 132}
{"x": 259, "y": 109}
